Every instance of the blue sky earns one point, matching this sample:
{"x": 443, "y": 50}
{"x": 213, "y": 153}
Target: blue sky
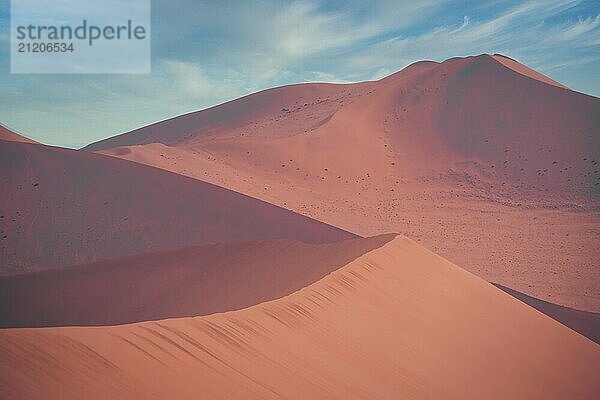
{"x": 207, "y": 52}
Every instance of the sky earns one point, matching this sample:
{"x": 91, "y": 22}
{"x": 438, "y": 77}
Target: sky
{"x": 206, "y": 52}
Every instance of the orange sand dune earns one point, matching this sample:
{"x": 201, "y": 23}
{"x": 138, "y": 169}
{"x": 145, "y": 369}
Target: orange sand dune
{"x": 61, "y": 207}
{"x": 8, "y": 135}
{"x": 398, "y": 322}
{"x": 478, "y": 158}
{"x": 186, "y": 282}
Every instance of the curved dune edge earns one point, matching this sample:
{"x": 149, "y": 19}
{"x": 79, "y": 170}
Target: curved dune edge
{"x": 10, "y": 136}
{"x": 186, "y": 282}
{"x": 584, "y": 322}
{"x": 398, "y": 322}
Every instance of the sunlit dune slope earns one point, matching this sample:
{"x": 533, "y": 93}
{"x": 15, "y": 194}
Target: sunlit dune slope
{"x": 186, "y": 282}
{"x": 398, "y": 322}
{"x": 61, "y": 207}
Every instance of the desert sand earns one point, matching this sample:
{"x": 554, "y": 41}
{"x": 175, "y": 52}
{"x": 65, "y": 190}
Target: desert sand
{"x": 397, "y": 322}
{"x": 62, "y": 207}
{"x": 481, "y": 159}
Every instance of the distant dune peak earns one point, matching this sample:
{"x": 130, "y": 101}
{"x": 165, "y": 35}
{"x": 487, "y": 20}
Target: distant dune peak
{"x": 267, "y": 114}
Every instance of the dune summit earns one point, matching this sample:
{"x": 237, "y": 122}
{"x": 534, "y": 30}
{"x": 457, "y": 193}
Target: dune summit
{"x": 396, "y": 322}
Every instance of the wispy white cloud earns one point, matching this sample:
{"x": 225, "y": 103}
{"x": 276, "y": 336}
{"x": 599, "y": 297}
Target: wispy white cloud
{"x": 583, "y": 32}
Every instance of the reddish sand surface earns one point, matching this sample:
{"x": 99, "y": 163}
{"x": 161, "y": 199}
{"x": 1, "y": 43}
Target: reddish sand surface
{"x": 8, "y": 135}
{"x": 187, "y": 282}
{"x": 481, "y": 159}
{"x": 61, "y": 207}
{"x": 397, "y": 322}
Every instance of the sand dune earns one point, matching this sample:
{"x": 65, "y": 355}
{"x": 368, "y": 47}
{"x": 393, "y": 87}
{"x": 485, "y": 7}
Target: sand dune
{"x": 186, "y": 282}
{"x": 8, "y": 135}
{"x": 173, "y": 277}
{"x": 397, "y": 322}
{"x": 61, "y": 207}
{"x": 410, "y": 153}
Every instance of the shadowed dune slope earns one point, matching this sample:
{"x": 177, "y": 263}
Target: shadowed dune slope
{"x": 180, "y": 283}
{"x": 62, "y": 207}
{"x": 398, "y": 322}
{"x": 586, "y": 323}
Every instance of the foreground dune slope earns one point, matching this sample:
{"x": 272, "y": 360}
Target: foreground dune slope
{"x": 185, "y": 282}
{"x": 62, "y": 207}
{"x": 397, "y": 322}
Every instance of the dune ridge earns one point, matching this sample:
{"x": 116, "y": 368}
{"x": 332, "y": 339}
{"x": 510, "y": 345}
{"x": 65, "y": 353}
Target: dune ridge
{"x": 193, "y": 281}
{"x": 8, "y": 135}
{"x": 398, "y": 321}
